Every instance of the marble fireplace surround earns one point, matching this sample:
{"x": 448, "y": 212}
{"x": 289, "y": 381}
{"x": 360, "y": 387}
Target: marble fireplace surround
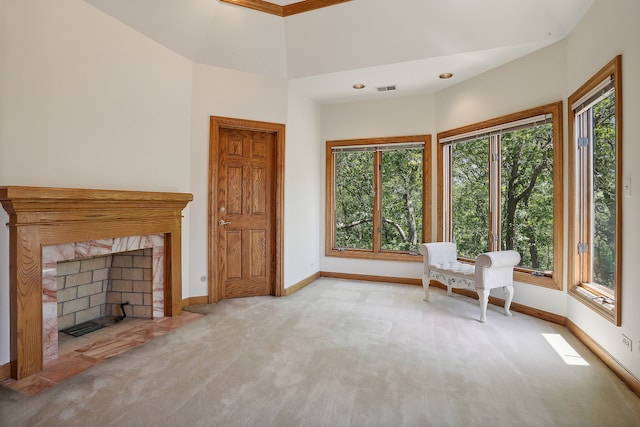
{"x": 44, "y": 220}
{"x": 53, "y": 254}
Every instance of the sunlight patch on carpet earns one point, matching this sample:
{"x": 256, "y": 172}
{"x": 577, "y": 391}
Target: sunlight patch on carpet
{"x": 564, "y": 350}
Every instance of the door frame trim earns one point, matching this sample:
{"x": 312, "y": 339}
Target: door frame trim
{"x": 217, "y": 123}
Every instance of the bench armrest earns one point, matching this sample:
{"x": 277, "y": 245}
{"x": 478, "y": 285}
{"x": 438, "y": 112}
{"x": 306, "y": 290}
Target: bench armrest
{"x": 495, "y": 269}
{"x": 498, "y": 259}
{"x": 437, "y": 253}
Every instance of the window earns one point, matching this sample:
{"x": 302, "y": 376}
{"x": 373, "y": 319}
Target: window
{"x": 377, "y": 197}
{"x": 595, "y": 239}
{"x": 502, "y": 189}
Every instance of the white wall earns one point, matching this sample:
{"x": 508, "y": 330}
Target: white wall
{"x": 226, "y": 93}
{"x": 369, "y": 119}
{"x": 304, "y": 172}
{"x": 534, "y": 80}
{"x": 611, "y": 28}
{"x": 86, "y": 102}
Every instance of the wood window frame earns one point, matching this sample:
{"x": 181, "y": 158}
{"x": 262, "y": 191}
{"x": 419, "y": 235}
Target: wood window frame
{"x": 330, "y": 215}
{"x": 592, "y": 295}
{"x": 555, "y": 279}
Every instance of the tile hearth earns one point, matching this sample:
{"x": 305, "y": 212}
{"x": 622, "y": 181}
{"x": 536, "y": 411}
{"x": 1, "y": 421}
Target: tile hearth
{"x": 81, "y": 353}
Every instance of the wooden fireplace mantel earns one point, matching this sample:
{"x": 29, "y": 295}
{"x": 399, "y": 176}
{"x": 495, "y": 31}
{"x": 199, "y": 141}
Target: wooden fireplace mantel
{"x": 41, "y": 216}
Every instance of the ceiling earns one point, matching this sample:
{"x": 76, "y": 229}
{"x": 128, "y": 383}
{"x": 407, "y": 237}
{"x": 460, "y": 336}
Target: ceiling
{"x": 323, "y": 52}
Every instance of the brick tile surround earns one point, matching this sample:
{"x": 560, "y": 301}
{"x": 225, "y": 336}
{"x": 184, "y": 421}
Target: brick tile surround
{"x": 51, "y": 255}
{"x": 92, "y": 288}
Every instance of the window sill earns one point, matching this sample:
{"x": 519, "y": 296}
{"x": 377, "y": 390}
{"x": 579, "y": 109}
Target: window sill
{"x": 543, "y": 281}
{"x": 525, "y": 276}
{"x": 384, "y": 256}
{"x": 595, "y": 302}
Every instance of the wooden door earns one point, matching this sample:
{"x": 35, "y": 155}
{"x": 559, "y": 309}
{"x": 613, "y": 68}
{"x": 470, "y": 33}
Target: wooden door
{"x": 245, "y": 213}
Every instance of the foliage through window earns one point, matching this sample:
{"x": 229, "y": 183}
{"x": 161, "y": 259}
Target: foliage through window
{"x": 469, "y": 196}
{"x": 502, "y": 189}
{"x": 595, "y": 207}
{"x": 376, "y": 192}
{"x": 354, "y": 200}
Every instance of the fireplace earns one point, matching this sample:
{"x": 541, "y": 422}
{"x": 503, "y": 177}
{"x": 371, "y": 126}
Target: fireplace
{"x": 47, "y": 225}
{"x": 105, "y": 287}
{"x": 87, "y": 304}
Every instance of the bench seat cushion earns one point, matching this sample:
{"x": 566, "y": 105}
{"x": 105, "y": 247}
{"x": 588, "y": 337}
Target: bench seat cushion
{"x": 456, "y": 268}
{"x": 455, "y": 274}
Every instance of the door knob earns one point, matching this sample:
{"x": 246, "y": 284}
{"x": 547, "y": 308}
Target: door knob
{"x": 223, "y": 222}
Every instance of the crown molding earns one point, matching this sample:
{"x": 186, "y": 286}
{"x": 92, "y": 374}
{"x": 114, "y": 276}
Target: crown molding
{"x": 288, "y": 10}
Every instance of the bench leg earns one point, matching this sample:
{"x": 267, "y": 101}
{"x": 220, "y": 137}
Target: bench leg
{"x": 483, "y": 296}
{"x": 425, "y": 285}
{"x": 508, "y": 297}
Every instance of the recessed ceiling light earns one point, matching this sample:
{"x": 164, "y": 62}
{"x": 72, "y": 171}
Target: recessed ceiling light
{"x": 446, "y": 75}
{"x": 358, "y": 86}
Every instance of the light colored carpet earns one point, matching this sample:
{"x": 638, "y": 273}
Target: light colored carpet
{"x": 340, "y": 353}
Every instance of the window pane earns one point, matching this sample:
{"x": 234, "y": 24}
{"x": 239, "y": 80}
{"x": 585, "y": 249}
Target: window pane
{"x": 470, "y": 196}
{"x": 401, "y": 200}
{"x": 527, "y": 195}
{"x": 354, "y": 200}
{"x": 604, "y": 192}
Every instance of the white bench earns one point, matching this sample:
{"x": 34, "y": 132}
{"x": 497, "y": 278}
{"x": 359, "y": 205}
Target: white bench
{"x": 491, "y": 270}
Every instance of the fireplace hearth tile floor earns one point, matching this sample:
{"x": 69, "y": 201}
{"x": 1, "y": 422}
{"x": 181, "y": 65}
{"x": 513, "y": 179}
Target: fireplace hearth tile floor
{"x": 77, "y": 354}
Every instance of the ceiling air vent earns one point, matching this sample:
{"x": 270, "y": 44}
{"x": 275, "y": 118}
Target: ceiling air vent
{"x": 386, "y": 88}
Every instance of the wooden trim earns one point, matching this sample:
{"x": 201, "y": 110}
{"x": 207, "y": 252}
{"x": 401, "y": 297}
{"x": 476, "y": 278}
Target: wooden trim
{"x": 627, "y": 377}
{"x": 503, "y": 120}
{"x": 309, "y": 5}
{"x": 186, "y": 302}
{"x": 329, "y": 211}
{"x": 41, "y": 216}
{"x": 573, "y": 266}
{"x": 259, "y": 5}
{"x": 534, "y": 312}
{"x": 440, "y": 207}
{"x": 555, "y": 281}
{"x": 5, "y": 371}
{"x": 212, "y": 243}
{"x": 364, "y": 254}
{"x": 427, "y": 188}
{"x": 520, "y": 308}
{"x": 369, "y": 278}
{"x": 542, "y": 281}
{"x": 301, "y": 284}
{"x": 287, "y": 10}
{"x": 614, "y": 67}
{"x": 612, "y": 363}
{"x": 217, "y": 123}
{"x": 377, "y": 206}
{"x": 330, "y": 216}
{"x": 531, "y": 311}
